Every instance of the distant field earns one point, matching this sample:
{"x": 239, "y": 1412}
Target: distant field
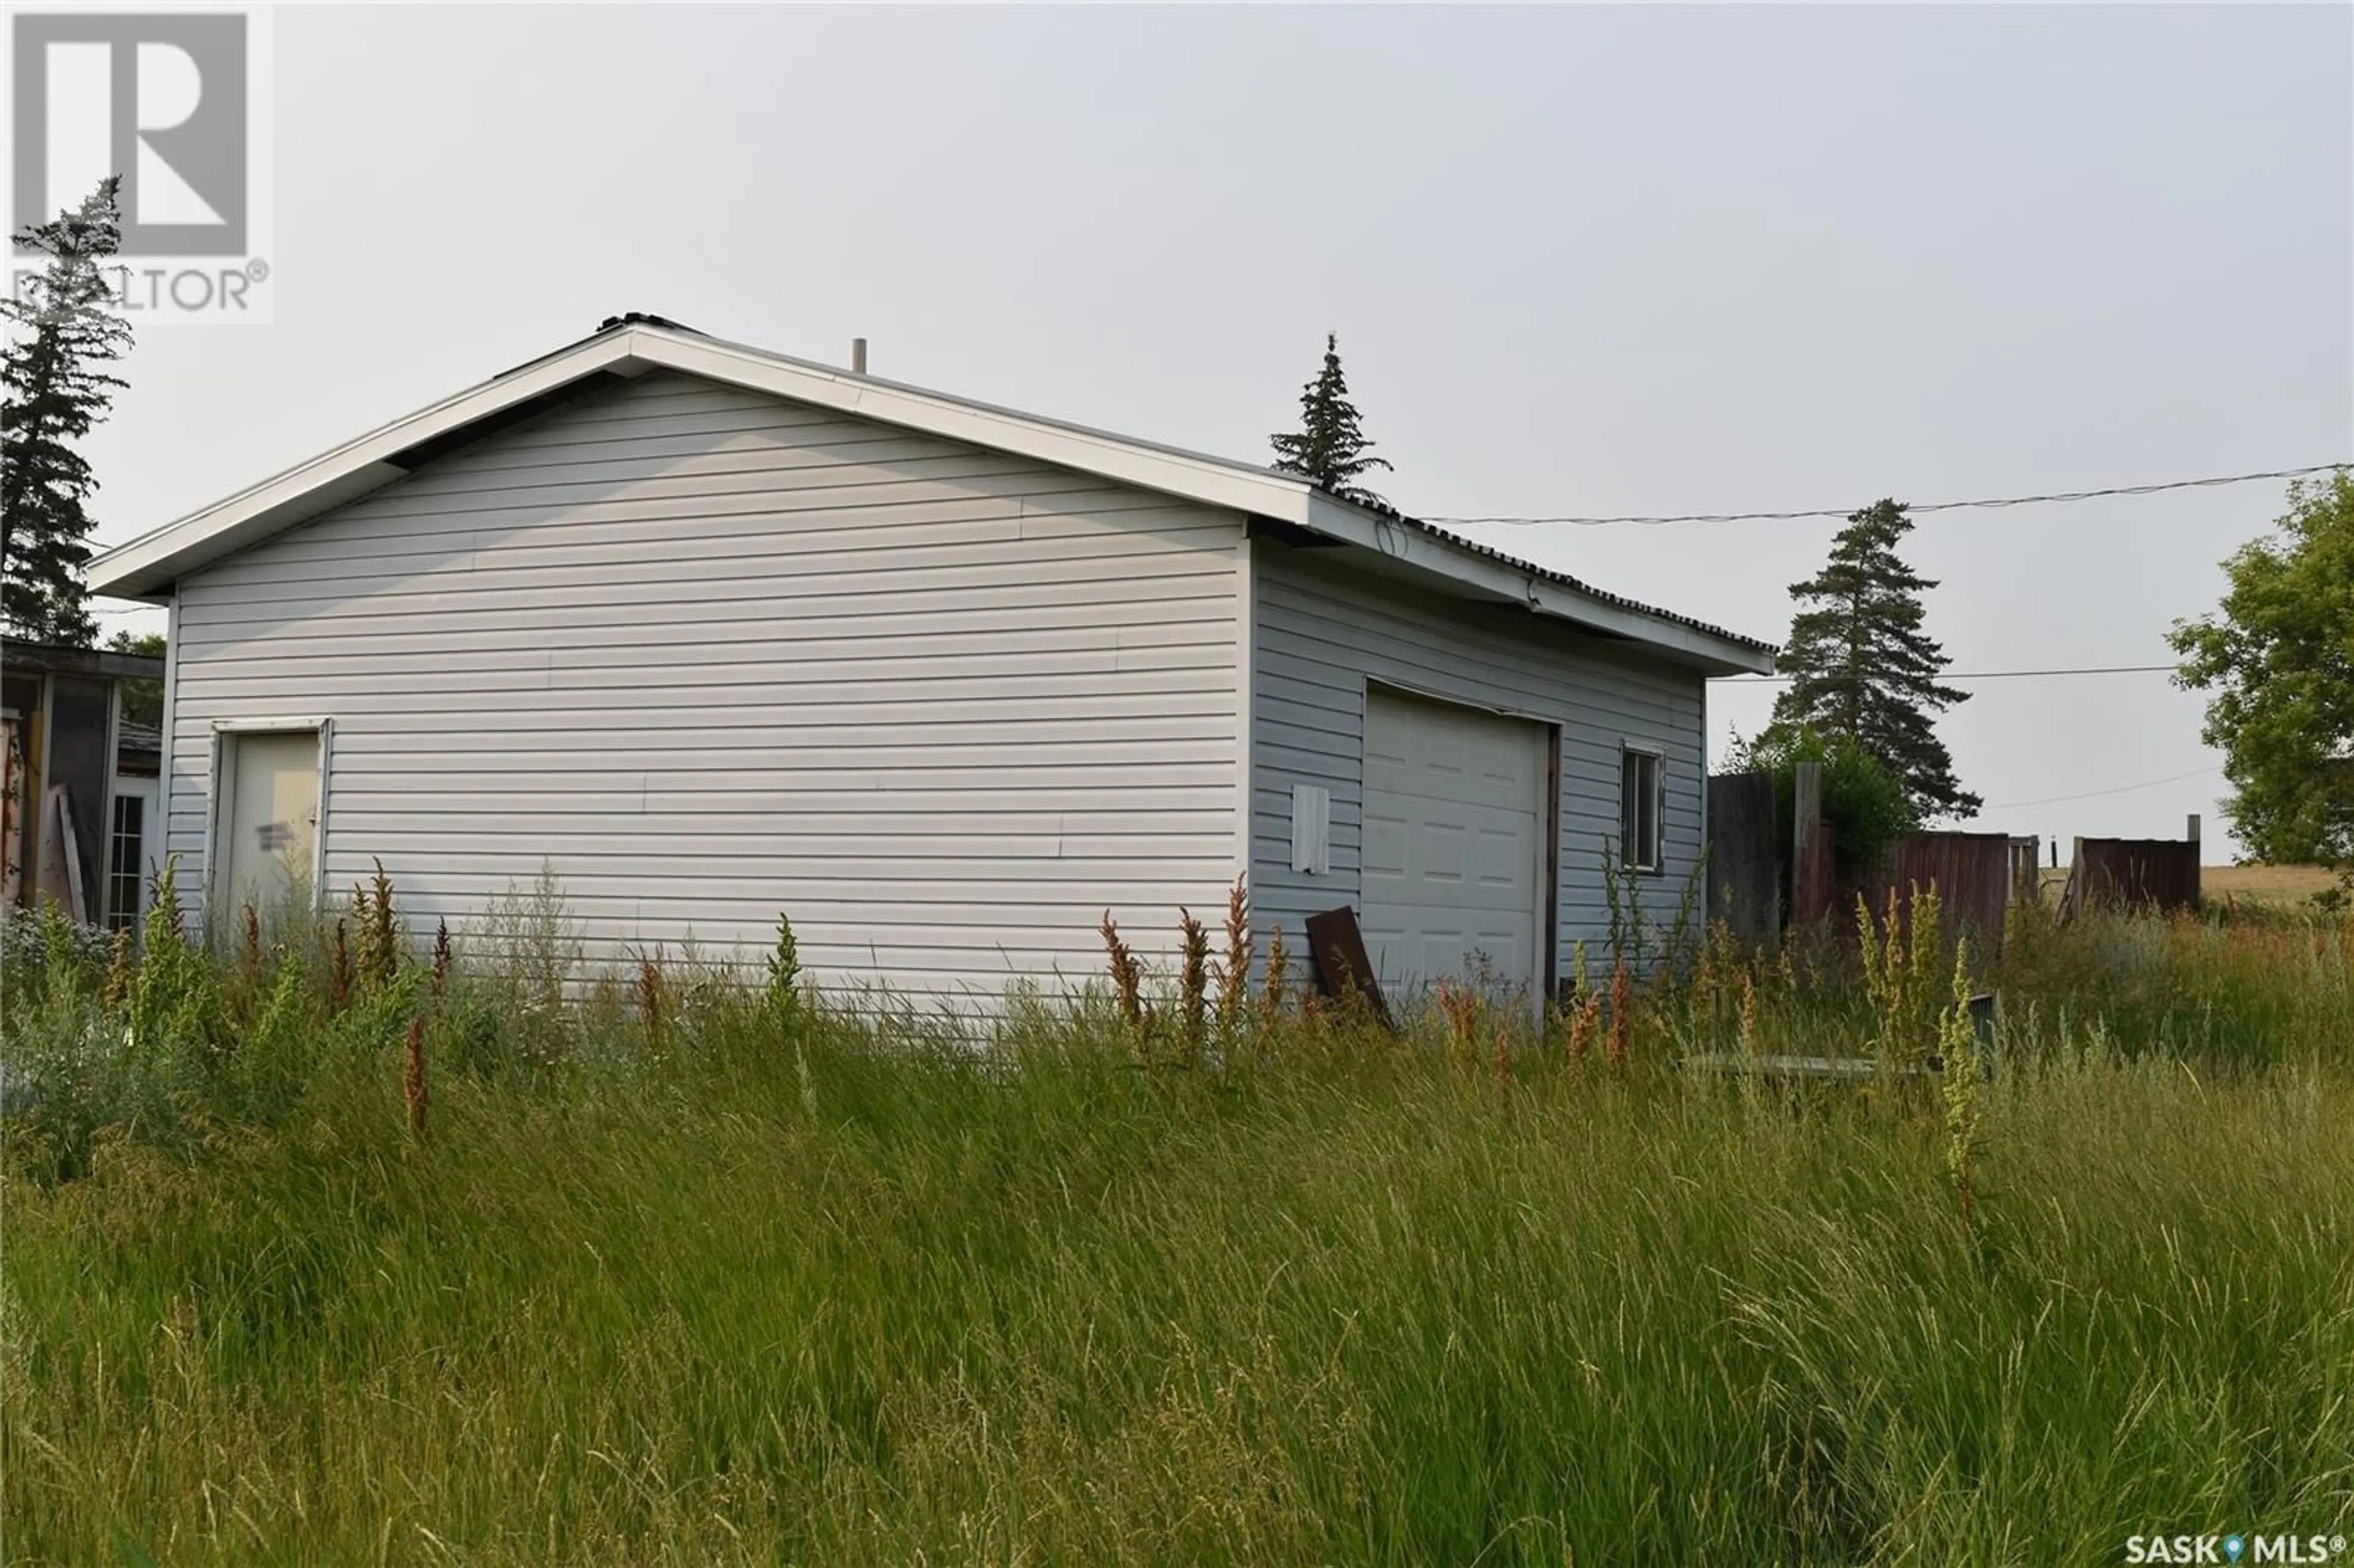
{"x": 2282, "y": 883}
{"x": 2268, "y": 884}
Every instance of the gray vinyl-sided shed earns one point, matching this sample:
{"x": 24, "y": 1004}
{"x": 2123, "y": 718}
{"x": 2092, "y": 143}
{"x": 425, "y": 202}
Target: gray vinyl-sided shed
{"x": 712, "y": 634}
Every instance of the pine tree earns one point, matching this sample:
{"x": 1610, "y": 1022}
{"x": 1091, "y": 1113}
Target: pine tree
{"x": 1860, "y": 666}
{"x": 61, "y": 332}
{"x": 1329, "y": 448}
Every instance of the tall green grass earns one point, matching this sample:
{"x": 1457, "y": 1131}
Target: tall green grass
{"x": 690, "y": 1270}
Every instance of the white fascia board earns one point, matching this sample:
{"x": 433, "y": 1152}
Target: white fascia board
{"x": 150, "y": 562}
{"x": 1487, "y": 578}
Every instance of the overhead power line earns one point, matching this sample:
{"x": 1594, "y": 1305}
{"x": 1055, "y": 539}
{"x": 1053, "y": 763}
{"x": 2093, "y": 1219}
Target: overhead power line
{"x": 1984, "y": 674}
{"x": 1916, "y": 509}
{"x": 2095, "y": 794}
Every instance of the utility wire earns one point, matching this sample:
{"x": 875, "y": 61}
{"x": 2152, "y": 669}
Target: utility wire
{"x": 1980, "y": 675}
{"x": 2095, "y": 794}
{"x": 2065, "y": 496}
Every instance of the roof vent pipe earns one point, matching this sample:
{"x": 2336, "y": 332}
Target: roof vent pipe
{"x": 858, "y": 356}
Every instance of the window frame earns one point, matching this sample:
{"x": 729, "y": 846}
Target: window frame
{"x": 1643, "y": 859}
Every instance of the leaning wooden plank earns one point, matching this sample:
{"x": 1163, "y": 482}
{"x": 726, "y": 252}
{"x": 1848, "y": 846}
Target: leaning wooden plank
{"x": 1337, "y": 949}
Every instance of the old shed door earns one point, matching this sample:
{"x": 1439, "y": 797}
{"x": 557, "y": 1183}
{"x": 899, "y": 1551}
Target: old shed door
{"x": 1455, "y": 841}
{"x": 270, "y": 817}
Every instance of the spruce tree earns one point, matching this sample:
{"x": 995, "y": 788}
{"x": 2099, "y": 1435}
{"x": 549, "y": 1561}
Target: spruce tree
{"x": 1862, "y": 667}
{"x": 1331, "y": 448}
{"x": 62, "y": 330}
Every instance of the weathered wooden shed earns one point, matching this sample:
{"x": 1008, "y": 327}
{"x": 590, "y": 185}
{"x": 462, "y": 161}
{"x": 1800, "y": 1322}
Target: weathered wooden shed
{"x": 79, "y": 792}
{"x": 715, "y": 633}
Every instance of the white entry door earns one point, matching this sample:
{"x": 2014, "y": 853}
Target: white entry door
{"x": 134, "y": 838}
{"x": 1454, "y": 844}
{"x": 269, "y": 834}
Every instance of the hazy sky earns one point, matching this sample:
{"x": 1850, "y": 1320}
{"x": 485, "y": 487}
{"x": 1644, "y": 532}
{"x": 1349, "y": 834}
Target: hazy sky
{"x": 1582, "y": 260}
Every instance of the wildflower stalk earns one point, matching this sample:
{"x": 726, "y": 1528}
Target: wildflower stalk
{"x": 784, "y": 993}
{"x": 339, "y": 977}
{"x": 1126, "y": 978}
{"x": 1273, "y": 988}
{"x": 1584, "y": 1023}
{"x": 1751, "y": 1049}
{"x": 1233, "y": 970}
{"x": 1963, "y": 1087}
{"x": 1622, "y": 1017}
{"x": 649, "y": 989}
{"x": 412, "y": 1082}
{"x": 1192, "y": 986}
{"x": 1750, "y": 1045}
{"x": 120, "y": 974}
{"x": 1461, "y": 1006}
{"x": 378, "y": 960}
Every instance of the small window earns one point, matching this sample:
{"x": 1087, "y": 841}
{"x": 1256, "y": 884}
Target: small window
{"x": 1642, "y": 805}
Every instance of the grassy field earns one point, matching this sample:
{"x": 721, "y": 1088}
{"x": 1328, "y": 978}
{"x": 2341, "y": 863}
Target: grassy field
{"x": 2274, "y": 883}
{"x": 689, "y": 1270}
{"x": 2285, "y": 884}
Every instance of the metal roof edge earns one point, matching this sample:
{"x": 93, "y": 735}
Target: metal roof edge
{"x": 634, "y": 342}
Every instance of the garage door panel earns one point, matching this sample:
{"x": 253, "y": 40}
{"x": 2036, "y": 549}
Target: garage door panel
{"x": 1410, "y": 959}
{"x": 1382, "y": 851}
{"x": 1504, "y": 857}
{"x": 1453, "y": 866}
{"x": 1442, "y": 851}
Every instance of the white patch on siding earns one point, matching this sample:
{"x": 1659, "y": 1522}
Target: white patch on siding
{"x": 1311, "y": 828}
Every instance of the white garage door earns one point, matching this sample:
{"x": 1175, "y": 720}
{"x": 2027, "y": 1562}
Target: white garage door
{"x": 1454, "y": 842}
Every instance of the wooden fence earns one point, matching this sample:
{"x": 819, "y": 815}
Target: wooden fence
{"x": 2160, "y": 873}
{"x": 1757, "y": 881}
{"x": 1970, "y": 871}
{"x": 1745, "y": 867}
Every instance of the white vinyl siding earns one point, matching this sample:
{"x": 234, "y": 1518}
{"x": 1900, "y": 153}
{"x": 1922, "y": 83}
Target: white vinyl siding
{"x": 713, "y": 656}
{"x": 1322, "y": 630}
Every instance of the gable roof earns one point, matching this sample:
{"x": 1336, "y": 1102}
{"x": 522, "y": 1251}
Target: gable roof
{"x": 627, "y": 346}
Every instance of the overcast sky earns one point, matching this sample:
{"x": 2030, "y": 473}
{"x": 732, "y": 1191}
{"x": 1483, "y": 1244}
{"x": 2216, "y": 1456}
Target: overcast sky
{"x": 1582, "y": 260}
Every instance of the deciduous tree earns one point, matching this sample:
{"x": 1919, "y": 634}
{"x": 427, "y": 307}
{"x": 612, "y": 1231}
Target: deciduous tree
{"x": 143, "y": 700}
{"x": 2280, "y": 662}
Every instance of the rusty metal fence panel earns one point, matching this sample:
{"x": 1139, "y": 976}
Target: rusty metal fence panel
{"x": 1971, "y": 874}
{"x": 2163, "y": 873}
